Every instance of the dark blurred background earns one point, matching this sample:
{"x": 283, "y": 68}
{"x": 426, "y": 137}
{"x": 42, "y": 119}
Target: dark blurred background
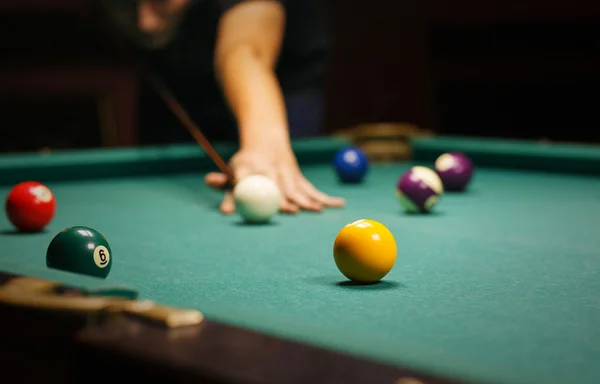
{"x": 467, "y": 67}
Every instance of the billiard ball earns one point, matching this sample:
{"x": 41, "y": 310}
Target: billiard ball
{"x": 419, "y": 189}
{"x": 257, "y": 198}
{"x": 351, "y": 164}
{"x": 364, "y": 251}
{"x": 455, "y": 169}
{"x": 80, "y": 250}
{"x": 30, "y": 206}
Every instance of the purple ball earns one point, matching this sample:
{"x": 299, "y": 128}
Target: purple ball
{"x": 455, "y": 169}
{"x": 419, "y": 189}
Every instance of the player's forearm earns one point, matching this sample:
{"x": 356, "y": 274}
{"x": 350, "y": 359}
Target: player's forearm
{"x": 254, "y": 95}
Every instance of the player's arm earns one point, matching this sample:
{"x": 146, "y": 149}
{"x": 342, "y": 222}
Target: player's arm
{"x": 249, "y": 38}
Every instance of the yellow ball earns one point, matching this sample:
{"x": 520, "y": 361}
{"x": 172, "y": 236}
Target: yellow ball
{"x": 364, "y": 251}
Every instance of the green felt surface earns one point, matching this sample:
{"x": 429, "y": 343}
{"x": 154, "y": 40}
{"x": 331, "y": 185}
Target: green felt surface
{"x": 500, "y": 284}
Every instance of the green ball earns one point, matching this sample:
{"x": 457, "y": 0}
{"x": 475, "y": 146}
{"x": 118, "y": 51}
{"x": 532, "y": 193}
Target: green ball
{"x": 80, "y": 250}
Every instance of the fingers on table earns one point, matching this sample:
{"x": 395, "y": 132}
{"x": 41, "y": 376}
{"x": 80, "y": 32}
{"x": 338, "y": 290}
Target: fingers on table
{"x": 289, "y": 183}
{"x": 216, "y": 180}
{"x": 228, "y": 204}
{"x": 322, "y": 198}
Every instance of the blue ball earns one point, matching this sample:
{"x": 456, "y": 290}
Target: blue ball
{"x": 351, "y": 164}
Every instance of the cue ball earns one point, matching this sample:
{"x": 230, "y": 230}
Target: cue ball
{"x": 257, "y": 198}
{"x": 364, "y": 251}
{"x": 419, "y": 189}
{"x": 81, "y": 250}
{"x": 30, "y": 206}
{"x": 455, "y": 169}
{"x": 351, "y": 165}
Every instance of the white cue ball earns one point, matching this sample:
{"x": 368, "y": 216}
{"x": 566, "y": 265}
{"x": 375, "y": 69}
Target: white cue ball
{"x": 257, "y": 198}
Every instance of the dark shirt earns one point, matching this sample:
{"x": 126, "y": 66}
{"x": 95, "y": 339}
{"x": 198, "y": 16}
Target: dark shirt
{"x": 186, "y": 63}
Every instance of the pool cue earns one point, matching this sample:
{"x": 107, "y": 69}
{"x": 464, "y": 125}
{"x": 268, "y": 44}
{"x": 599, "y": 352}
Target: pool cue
{"x": 175, "y": 107}
{"x": 164, "y": 93}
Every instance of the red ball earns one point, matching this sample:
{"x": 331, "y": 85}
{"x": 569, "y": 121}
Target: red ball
{"x": 30, "y": 206}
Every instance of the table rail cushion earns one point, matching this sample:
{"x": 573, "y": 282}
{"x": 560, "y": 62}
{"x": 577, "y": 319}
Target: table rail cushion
{"x": 129, "y": 162}
{"x": 516, "y": 154}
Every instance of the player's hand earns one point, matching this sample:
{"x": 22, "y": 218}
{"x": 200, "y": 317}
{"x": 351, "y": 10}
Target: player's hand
{"x": 297, "y": 192}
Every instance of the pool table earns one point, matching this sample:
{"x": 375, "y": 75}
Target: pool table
{"x": 499, "y": 284}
